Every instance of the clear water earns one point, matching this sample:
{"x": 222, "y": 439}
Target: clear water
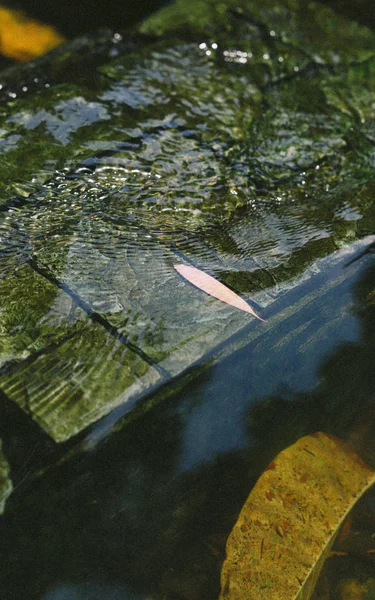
{"x": 144, "y": 511}
{"x": 154, "y": 154}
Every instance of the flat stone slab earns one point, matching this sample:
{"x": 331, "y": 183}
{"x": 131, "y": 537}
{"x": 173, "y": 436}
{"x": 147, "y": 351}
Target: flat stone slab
{"x": 73, "y": 381}
{"x": 233, "y": 151}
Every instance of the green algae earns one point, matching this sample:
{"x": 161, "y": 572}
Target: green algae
{"x": 32, "y": 314}
{"x": 75, "y": 382}
{"x": 138, "y": 155}
{"x": 237, "y": 137}
{"x": 304, "y": 28}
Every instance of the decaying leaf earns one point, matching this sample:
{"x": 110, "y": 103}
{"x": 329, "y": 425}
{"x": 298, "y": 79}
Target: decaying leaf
{"x": 22, "y": 38}
{"x": 213, "y": 287}
{"x": 289, "y": 522}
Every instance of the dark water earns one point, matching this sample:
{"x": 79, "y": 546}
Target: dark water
{"x": 144, "y": 511}
{"x": 84, "y": 16}
{"x": 139, "y": 506}
{"x": 75, "y": 18}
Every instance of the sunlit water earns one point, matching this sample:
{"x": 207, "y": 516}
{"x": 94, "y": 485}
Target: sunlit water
{"x": 174, "y": 152}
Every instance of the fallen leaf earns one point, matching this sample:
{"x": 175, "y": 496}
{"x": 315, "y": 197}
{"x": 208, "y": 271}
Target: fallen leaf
{"x": 213, "y": 287}
{"x": 288, "y": 523}
{"x": 22, "y": 38}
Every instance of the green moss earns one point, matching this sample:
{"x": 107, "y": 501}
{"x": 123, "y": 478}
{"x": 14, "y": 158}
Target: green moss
{"x": 33, "y": 314}
{"x": 239, "y": 138}
{"x": 181, "y": 15}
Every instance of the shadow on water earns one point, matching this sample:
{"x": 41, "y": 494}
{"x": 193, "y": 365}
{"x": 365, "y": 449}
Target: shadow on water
{"x": 361, "y": 10}
{"x": 145, "y": 513}
{"x": 76, "y": 18}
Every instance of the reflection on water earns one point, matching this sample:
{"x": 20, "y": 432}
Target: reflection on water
{"x": 258, "y": 171}
{"x": 146, "y": 512}
{"x": 91, "y": 590}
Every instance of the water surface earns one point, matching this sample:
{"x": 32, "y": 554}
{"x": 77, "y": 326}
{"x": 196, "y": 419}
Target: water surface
{"x": 137, "y": 412}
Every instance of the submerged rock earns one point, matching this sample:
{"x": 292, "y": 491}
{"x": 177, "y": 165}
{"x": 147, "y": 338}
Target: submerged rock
{"x": 237, "y": 137}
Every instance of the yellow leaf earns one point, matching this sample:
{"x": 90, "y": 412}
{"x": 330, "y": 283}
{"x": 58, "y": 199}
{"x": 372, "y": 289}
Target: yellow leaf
{"x": 289, "y": 522}
{"x": 23, "y": 39}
